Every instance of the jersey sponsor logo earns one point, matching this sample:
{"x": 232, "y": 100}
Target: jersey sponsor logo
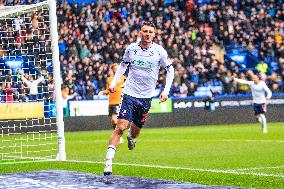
{"x": 144, "y": 64}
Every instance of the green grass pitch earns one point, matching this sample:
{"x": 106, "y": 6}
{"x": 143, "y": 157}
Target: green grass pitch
{"x": 227, "y": 155}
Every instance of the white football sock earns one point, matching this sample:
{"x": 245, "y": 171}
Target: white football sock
{"x": 263, "y": 118}
{"x": 259, "y": 119}
{"x": 110, "y": 152}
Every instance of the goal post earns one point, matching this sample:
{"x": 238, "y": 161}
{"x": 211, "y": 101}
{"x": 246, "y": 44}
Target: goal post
{"x": 31, "y": 120}
{"x": 57, "y": 79}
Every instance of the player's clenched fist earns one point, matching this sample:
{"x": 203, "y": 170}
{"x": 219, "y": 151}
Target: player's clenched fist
{"x": 163, "y": 97}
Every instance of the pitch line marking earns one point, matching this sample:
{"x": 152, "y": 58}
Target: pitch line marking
{"x": 213, "y": 140}
{"x": 184, "y": 168}
{"x": 185, "y": 140}
{"x": 258, "y": 168}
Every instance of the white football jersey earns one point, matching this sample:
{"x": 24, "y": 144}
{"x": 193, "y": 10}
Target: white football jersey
{"x": 257, "y": 90}
{"x": 144, "y": 65}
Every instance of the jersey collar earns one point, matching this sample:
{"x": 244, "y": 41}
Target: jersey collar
{"x": 144, "y": 49}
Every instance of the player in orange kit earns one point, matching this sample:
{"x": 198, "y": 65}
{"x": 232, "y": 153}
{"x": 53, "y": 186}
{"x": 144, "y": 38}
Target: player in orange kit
{"x": 114, "y": 98}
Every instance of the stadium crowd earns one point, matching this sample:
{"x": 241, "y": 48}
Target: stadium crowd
{"x": 196, "y": 35}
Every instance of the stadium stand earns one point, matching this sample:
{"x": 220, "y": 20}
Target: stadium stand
{"x": 197, "y": 35}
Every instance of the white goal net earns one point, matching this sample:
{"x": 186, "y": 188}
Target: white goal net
{"x": 31, "y": 120}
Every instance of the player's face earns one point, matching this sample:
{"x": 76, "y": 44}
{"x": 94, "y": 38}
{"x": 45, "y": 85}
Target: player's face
{"x": 255, "y": 79}
{"x": 147, "y": 34}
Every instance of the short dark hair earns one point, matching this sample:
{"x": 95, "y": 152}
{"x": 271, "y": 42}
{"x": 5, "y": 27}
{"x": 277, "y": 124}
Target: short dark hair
{"x": 148, "y": 23}
{"x": 113, "y": 65}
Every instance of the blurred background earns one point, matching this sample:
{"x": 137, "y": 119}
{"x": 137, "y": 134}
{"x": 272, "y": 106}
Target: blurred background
{"x": 209, "y": 41}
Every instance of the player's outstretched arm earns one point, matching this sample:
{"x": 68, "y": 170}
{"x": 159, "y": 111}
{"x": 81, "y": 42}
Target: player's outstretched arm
{"x": 243, "y": 81}
{"x": 39, "y": 80}
{"x": 268, "y": 91}
{"x": 169, "y": 80}
{"x": 106, "y": 91}
{"x": 26, "y": 81}
{"x": 101, "y": 93}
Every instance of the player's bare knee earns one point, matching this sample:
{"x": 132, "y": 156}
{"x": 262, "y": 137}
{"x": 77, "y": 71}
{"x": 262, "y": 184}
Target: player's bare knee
{"x": 118, "y": 131}
{"x": 120, "y": 127}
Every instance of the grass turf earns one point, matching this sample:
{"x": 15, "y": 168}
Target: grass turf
{"x": 205, "y": 148}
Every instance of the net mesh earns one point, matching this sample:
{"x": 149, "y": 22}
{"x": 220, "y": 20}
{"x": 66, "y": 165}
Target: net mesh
{"x": 27, "y": 109}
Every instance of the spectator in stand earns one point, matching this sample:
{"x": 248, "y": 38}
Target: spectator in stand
{"x": 183, "y": 90}
{"x": 225, "y": 77}
{"x": 274, "y": 82}
{"x": 9, "y": 78}
{"x": 262, "y": 67}
{"x": 190, "y": 31}
{"x": 66, "y": 97}
{"x": 191, "y": 89}
{"x": 90, "y": 90}
{"x": 2, "y": 78}
{"x": 81, "y": 90}
{"x": 9, "y": 92}
{"x": 23, "y": 97}
{"x": 32, "y": 85}
{"x": 175, "y": 90}
{"x": 2, "y": 93}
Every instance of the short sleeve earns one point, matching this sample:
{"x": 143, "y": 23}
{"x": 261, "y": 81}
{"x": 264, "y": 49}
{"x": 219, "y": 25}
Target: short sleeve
{"x": 126, "y": 58}
{"x": 165, "y": 61}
